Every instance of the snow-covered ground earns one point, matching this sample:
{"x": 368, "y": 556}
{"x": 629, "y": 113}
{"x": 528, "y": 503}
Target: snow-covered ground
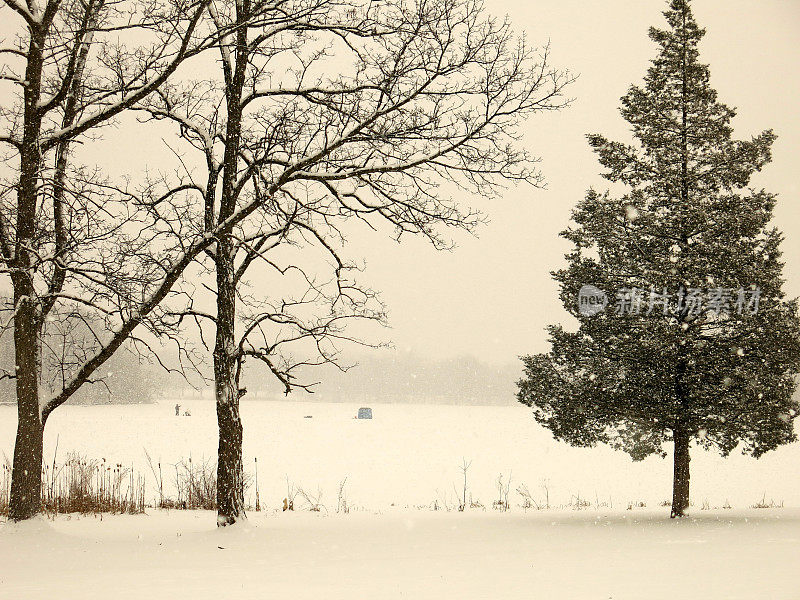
{"x": 591, "y": 555}
{"x": 391, "y": 544}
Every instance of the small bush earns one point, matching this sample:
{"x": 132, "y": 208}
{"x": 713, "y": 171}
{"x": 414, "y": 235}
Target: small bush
{"x": 5, "y": 486}
{"x": 196, "y": 484}
{"x": 578, "y": 503}
{"x": 764, "y": 504}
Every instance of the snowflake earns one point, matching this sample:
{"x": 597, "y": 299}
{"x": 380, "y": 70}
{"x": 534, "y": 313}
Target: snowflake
{"x": 631, "y": 212}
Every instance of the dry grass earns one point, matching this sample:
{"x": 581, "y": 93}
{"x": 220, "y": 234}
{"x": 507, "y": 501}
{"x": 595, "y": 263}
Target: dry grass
{"x": 764, "y": 504}
{"x": 81, "y": 485}
{"x": 5, "y": 486}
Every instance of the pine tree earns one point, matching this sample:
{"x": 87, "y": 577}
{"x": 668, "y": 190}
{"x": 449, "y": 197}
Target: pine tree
{"x": 698, "y": 344}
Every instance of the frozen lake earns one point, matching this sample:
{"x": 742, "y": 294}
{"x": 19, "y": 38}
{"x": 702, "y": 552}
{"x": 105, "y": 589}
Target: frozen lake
{"x": 407, "y": 455}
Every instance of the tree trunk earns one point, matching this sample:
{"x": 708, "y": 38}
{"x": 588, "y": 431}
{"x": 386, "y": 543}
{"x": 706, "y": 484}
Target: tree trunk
{"x": 680, "y": 435}
{"x": 680, "y": 479}
{"x": 230, "y": 472}
{"x": 26, "y": 475}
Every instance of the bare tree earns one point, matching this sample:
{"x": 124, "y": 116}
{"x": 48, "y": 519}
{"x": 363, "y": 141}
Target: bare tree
{"x": 68, "y": 236}
{"x": 328, "y": 111}
{"x": 503, "y": 490}
{"x": 332, "y": 111}
{"x": 298, "y": 326}
{"x": 464, "y": 468}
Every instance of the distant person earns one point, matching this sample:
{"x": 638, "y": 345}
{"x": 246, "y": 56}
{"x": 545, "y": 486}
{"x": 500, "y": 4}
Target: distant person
{"x": 177, "y": 410}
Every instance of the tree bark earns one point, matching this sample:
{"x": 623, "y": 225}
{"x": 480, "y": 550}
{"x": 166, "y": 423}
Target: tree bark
{"x": 230, "y": 470}
{"x": 26, "y": 475}
{"x": 680, "y": 478}
{"x": 680, "y": 435}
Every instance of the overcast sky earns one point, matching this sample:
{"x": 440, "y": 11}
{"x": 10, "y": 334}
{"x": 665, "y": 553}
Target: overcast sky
{"x": 492, "y": 296}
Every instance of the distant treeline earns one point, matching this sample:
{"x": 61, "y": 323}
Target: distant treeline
{"x": 378, "y": 376}
{"x": 126, "y": 378}
{"x": 387, "y": 376}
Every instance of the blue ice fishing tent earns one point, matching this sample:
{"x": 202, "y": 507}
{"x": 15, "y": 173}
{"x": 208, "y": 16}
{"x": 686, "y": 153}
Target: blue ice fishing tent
{"x": 364, "y": 413}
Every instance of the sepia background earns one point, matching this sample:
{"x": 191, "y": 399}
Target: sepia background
{"x": 459, "y": 321}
